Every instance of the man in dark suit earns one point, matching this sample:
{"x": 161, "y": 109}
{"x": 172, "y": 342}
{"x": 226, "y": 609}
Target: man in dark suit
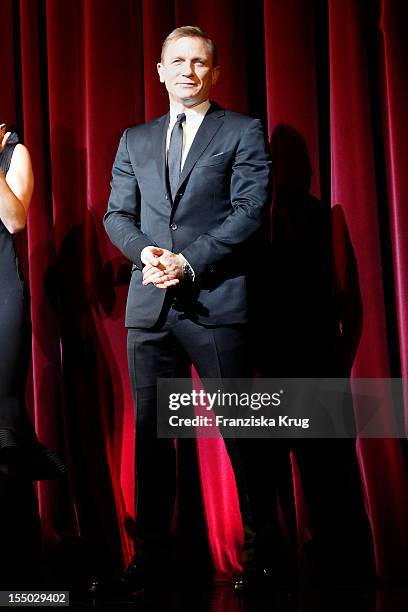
{"x": 189, "y": 191}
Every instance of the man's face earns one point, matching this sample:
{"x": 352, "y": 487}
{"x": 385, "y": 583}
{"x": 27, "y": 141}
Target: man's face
{"x": 187, "y": 71}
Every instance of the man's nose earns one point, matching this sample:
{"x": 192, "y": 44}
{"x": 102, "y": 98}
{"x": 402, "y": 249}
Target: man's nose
{"x": 188, "y": 68}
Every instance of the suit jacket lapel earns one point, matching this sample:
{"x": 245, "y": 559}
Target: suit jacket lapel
{"x": 159, "y": 147}
{"x": 206, "y": 132}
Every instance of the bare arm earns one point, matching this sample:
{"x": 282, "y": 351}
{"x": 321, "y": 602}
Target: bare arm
{"x": 16, "y": 190}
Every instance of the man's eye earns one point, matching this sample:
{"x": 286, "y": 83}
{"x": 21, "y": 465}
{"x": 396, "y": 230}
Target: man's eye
{"x": 176, "y": 61}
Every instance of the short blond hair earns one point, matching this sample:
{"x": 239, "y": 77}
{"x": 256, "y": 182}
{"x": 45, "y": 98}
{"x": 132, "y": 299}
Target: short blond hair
{"x": 191, "y": 32}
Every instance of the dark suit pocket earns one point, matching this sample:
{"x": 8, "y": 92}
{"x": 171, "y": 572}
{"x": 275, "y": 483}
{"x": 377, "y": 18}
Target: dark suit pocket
{"x": 215, "y": 160}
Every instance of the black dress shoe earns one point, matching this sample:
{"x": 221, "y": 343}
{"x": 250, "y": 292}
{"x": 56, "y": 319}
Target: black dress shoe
{"x": 240, "y": 583}
{"x": 132, "y": 581}
{"x": 260, "y": 579}
{"x": 252, "y": 580}
{"x": 151, "y": 579}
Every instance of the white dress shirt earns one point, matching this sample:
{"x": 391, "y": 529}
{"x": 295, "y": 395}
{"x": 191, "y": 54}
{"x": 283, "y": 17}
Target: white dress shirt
{"x": 194, "y": 118}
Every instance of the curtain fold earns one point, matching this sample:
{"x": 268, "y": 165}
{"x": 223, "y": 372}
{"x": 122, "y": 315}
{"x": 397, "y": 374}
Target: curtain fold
{"x": 394, "y": 100}
{"x": 355, "y": 192}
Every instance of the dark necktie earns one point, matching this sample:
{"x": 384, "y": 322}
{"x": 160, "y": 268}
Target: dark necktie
{"x": 174, "y": 154}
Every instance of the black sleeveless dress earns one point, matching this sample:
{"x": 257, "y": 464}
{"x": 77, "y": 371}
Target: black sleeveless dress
{"x": 18, "y": 441}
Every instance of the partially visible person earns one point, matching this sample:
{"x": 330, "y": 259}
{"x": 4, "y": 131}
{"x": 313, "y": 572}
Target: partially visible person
{"x": 22, "y": 457}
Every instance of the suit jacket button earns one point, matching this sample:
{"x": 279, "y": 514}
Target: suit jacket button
{"x": 166, "y": 196}
{"x": 173, "y": 226}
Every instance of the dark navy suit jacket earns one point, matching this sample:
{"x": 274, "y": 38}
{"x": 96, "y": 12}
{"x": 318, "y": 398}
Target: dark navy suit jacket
{"x": 221, "y": 199}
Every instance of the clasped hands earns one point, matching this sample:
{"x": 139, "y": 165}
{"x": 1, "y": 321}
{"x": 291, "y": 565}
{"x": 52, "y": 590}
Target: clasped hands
{"x": 4, "y": 137}
{"x": 163, "y": 268}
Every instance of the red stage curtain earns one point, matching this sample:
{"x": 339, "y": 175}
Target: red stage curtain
{"x": 355, "y": 179}
{"x": 74, "y": 75}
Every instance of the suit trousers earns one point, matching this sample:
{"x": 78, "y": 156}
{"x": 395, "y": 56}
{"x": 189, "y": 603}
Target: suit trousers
{"x": 216, "y": 352}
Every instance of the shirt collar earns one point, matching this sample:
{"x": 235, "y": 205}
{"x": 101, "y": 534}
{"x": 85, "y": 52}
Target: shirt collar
{"x": 192, "y": 114}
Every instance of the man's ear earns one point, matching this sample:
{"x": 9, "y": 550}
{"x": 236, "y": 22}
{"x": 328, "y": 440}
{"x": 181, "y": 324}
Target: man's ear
{"x": 160, "y": 70}
{"x": 215, "y": 75}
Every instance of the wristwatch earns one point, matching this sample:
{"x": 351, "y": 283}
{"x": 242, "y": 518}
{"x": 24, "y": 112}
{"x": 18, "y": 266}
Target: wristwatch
{"x": 188, "y": 272}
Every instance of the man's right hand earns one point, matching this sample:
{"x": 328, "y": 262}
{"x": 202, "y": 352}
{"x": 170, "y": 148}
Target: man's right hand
{"x": 150, "y": 256}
